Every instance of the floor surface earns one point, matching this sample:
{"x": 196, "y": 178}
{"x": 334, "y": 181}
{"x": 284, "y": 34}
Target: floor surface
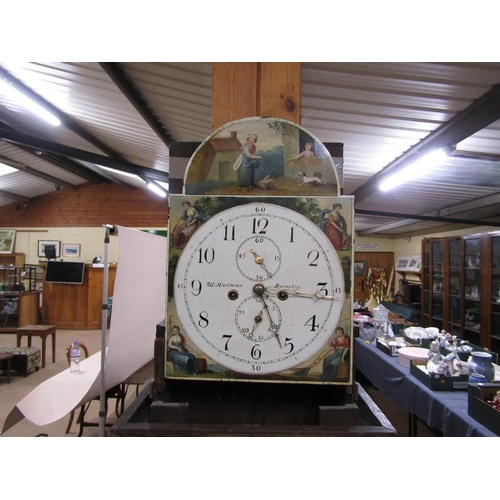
{"x": 20, "y": 386}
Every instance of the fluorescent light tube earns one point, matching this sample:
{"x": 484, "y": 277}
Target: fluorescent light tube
{"x": 11, "y": 92}
{"x": 414, "y": 170}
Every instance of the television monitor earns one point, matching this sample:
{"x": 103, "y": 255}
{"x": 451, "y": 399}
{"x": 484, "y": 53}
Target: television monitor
{"x": 49, "y": 251}
{"x": 58, "y": 271}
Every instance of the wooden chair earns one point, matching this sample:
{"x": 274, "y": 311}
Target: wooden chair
{"x": 114, "y": 393}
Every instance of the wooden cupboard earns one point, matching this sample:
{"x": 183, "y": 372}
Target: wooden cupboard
{"x": 461, "y": 287}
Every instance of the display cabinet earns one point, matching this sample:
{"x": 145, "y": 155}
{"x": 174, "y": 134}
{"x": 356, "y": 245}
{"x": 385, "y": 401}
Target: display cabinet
{"x": 432, "y": 275}
{"x": 461, "y": 287}
{"x": 19, "y": 297}
{"x": 493, "y": 297}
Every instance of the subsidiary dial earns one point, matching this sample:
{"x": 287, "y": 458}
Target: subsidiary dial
{"x": 258, "y": 258}
{"x": 258, "y": 319}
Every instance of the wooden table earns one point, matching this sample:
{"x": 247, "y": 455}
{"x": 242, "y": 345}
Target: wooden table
{"x": 42, "y": 331}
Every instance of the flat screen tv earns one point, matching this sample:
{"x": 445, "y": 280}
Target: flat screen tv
{"x": 59, "y": 271}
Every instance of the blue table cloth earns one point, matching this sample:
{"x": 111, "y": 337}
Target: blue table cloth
{"x": 443, "y": 410}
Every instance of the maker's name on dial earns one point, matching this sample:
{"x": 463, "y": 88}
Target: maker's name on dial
{"x": 219, "y": 284}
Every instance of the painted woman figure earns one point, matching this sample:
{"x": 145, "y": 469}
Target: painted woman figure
{"x": 187, "y": 224}
{"x": 331, "y": 363}
{"x": 335, "y": 227}
{"x": 246, "y": 163}
{"x": 183, "y": 360}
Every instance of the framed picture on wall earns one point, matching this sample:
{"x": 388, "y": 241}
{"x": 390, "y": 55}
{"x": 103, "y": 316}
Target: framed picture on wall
{"x": 7, "y": 240}
{"x": 70, "y": 250}
{"x": 360, "y": 267}
{"x": 403, "y": 263}
{"x": 415, "y": 263}
{"x": 42, "y": 252}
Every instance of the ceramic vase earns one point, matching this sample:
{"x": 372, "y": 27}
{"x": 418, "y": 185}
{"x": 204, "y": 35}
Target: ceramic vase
{"x": 480, "y": 362}
{"x": 476, "y": 378}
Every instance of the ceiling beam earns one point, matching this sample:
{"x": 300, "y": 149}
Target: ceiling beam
{"x": 479, "y": 114}
{"x": 11, "y": 124}
{"x": 123, "y": 82}
{"x": 13, "y": 196}
{"x": 78, "y": 154}
{"x": 63, "y": 117}
{"x": 429, "y": 218}
{"x": 36, "y": 173}
{"x": 478, "y": 204}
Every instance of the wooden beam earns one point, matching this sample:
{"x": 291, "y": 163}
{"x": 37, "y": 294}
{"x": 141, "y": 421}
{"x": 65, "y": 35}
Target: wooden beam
{"x": 242, "y": 90}
{"x": 280, "y": 86}
{"x": 234, "y": 92}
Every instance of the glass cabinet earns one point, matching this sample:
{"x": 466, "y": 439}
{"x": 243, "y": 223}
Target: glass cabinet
{"x": 19, "y": 297}
{"x": 461, "y": 287}
{"x": 454, "y": 306}
{"x": 433, "y": 283}
{"x": 494, "y": 291}
{"x": 472, "y": 288}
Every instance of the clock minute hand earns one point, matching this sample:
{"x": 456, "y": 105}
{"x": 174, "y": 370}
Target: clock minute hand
{"x": 283, "y": 294}
{"x": 273, "y": 327}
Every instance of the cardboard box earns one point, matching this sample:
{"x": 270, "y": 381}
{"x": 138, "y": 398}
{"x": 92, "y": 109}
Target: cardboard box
{"x": 479, "y": 409}
{"x": 438, "y": 382}
{"x": 390, "y": 350}
{"x": 464, "y": 356}
{"x": 425, "y": 343}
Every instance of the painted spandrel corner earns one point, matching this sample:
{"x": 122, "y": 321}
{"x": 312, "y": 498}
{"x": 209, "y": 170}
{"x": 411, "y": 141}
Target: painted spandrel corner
{"x": 263, "y": 156}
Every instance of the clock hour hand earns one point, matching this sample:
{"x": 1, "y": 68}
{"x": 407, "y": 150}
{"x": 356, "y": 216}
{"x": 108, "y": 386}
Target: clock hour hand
{"x": 283, "y": 294}
{"x": 260, "y": 260}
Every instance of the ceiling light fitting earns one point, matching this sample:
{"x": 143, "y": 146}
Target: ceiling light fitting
{"x": 415, "y": 170}
{"x": 10, "y": 91}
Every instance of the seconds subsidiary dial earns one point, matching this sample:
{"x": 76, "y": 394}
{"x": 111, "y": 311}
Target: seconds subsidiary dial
{"x": 259, "y": 288}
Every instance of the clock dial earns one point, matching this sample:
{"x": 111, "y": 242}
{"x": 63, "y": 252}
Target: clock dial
{"x": 259, "y": 288}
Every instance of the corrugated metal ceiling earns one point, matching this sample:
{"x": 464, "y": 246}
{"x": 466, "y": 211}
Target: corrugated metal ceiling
{"x": 379, "y": 111}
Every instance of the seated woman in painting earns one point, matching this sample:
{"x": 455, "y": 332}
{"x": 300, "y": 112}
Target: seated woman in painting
{"x": 177, "y": 352}
{"x": 188, "y": 223}
{"x": 340, "y": 348}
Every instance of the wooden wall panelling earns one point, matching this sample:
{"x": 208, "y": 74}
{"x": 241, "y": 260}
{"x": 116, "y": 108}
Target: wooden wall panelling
{"x": 91, "y": 205}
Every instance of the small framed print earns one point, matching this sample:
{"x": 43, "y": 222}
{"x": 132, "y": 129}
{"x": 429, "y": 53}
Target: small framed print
{"x": 403, "y": 263}
{"x": 360, "y": 267}
{"x": 70, "y": 250}
{"x": 415, "y": 263}
{"x": 49, "y": 243}
{"x": 7, "y": 239}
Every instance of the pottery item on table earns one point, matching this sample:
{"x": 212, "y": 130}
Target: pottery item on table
{"x": 480, "y": 362}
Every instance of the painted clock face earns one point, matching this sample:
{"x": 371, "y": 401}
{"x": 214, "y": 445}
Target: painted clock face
{"x": 259, "y": 288}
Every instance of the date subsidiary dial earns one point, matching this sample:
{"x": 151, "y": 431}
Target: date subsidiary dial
{"x": 259, "y": 288}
